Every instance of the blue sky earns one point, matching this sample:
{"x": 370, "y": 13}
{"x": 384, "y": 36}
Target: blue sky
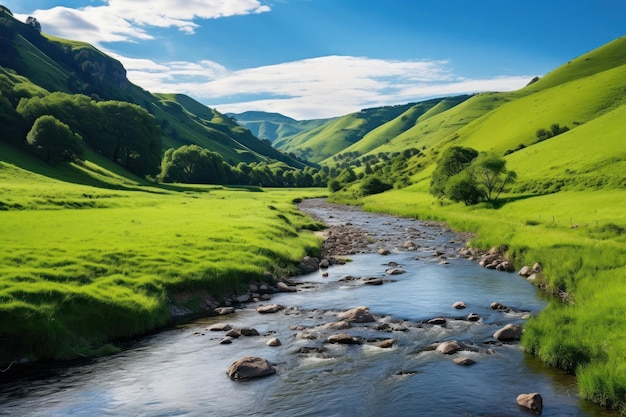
{"x": 323, "y": 58}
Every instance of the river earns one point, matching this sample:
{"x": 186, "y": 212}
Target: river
{"x": 182, "y": 371}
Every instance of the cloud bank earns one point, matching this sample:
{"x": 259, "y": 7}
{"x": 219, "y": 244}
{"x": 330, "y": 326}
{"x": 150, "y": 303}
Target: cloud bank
{"x": 312, "y": 88}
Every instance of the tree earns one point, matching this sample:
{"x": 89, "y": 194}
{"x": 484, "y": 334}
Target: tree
{"x": 54, "y": 140}
{"x": 463, "y": 187}
{"x": 491, "y": 175}
{"x": 193, "y": 164}
{"x": 453, "y": 161}
{"x": 134, "y": 137}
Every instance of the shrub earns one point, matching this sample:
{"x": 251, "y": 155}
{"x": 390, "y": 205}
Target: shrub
{"x": 374, "y": 185}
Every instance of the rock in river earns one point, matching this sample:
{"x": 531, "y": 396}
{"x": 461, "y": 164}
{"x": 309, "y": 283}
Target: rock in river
{"x": 250, "y": 367}
{"x": 532, "y": 401}
{"x": 270, "y": 308}
{"x": 509, "y": 332}
{"x": 343, "y": 339}
{"x": 449, "y": 348}
{"x": 357, "y": 315}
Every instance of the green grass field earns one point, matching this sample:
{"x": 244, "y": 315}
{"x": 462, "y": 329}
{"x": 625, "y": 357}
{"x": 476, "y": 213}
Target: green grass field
{"x": 81, "y": 266}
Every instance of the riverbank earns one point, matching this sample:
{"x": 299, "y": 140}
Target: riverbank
{"x": 83, "y": 267}
{"x": 578, "y": 240}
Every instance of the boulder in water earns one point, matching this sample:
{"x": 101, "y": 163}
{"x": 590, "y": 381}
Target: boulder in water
{"x": 448, "y": 348}
{"x": 532, "y": 401}
{"x": 250, "y": 367}
{"x": 357, "y": 315}
{"x": 343, "y": 339}
{"x": 269, "y": 309}
{"x": 509, "y": 332}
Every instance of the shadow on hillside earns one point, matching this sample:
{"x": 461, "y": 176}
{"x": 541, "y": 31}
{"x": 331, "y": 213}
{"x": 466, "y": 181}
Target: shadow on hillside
{"x": 501, "y": 202}
{"x": 72, "y": 173}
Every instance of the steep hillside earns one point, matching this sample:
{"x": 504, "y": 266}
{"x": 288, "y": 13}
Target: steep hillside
{"x": 72, "y": 67}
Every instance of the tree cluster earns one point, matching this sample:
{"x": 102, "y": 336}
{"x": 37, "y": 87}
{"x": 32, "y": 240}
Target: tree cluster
{"x": 123, "y": 132}
{"x": 555, "y": 129}
{"x": 196, "y": 165}
{"x": 462, "y": 174}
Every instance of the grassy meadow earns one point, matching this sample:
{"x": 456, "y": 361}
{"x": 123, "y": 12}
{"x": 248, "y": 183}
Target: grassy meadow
{"x": 579, "y": 238}
{"x": 81, "y": 266}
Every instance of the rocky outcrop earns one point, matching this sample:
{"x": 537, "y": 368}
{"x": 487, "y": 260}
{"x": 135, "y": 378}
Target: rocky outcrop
{"x": 459, "y": 305}
{"x": 532, "y": 402}
{"x": 250, "y": 367}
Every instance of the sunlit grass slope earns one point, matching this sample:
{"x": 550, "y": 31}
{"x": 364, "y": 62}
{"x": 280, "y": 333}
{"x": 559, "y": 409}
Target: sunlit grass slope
{"x": 570, "y": 104}
{"x": 388, "y": 131}
{"x": 81, "y": 265}
{"x": 444, "y": 125}
{"x": 592, "y": 156}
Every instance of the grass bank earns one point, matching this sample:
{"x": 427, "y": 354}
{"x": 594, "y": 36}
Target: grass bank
{"x": 82, "y": 266}
{"x": 580, "y": 240}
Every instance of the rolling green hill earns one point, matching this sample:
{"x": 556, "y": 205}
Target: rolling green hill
{"x": 336, "y": 135}
{"x": 404, "y": 125}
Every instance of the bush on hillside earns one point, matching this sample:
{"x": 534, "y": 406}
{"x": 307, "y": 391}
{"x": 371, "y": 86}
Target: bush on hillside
{"x": 374, "y": 185}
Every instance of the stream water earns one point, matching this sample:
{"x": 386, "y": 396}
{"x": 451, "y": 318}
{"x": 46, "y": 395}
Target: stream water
{"x": 182, "y": 371}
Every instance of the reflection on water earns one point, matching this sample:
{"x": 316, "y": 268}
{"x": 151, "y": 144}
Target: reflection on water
{"x": 182, "y": 372}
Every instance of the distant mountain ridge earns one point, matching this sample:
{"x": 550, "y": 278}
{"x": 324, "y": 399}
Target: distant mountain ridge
{"x": 274, "y": 127}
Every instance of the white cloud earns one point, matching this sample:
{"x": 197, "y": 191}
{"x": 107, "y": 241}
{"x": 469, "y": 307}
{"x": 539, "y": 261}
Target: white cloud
{"x": 312, "y": 88}
{"x": 127, "y": 20}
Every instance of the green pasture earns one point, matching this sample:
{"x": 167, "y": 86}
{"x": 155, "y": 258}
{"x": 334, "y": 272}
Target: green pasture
{"x": 81, "y": 266}
{"x": 579, "y": 238}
